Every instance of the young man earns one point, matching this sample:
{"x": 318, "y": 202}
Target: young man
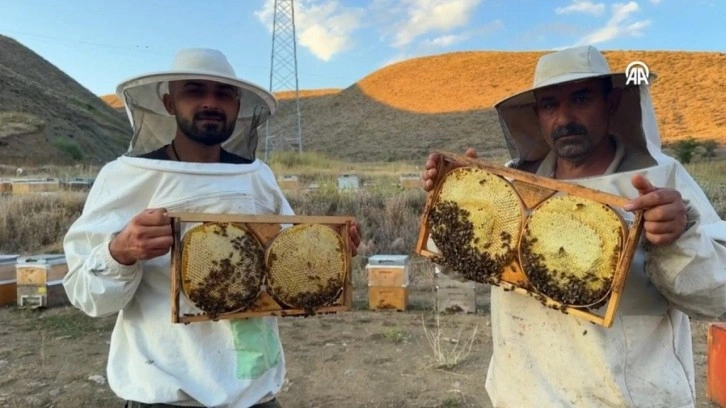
{"x": 193, "y": 150}
{"x": 581, "y": 123}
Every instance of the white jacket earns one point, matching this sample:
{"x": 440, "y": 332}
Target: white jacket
{"x": 543, "y": 358}
{"x": 226, "y": 363}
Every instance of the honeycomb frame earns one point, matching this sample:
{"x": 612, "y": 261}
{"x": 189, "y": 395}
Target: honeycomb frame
{"x": 266, "y": 228}
{"x": 534, "y": 190}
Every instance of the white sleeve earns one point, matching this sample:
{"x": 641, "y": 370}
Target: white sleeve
{"x": 691, "y": 272}
{"x": 96, "y": 283}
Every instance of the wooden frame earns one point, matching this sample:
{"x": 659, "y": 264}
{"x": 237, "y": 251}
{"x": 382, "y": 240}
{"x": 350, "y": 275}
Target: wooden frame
{"x": 265, "y": 227}
{"x": 534, "y": 190}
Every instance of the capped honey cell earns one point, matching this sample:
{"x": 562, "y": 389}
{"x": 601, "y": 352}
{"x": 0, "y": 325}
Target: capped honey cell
{"x": 475, "y": 223}
{"x": 222, "y": 267}
{"x": 307, "y": 266}
{"x": 570, "y": 248}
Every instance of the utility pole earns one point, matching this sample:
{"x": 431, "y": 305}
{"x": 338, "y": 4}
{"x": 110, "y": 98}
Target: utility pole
{"x": 283, "y": 77}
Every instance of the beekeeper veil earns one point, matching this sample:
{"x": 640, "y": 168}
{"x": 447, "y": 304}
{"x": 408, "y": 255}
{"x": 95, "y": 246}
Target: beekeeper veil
{"x": 153, "y": 127}
{"x": 634, "y": 121}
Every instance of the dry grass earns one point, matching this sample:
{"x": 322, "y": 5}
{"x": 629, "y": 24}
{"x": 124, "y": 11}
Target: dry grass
{"x": 318, "y": 166}
{"x": 711, "y": 176}
{"x": 448, "y": 348}
{"x": 467, "y": 81}
{"x": 19, "y": 123}
{"x": 113, "y": 101}
{"x": 388, "y": 217}
{"x": 37, "y": 222}
{"x": 306, "y": 93}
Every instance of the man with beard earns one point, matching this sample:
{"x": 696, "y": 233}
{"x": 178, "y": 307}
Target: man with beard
{"x": 199, "y": 134}
{"x": 192, "y": 150}
{"x": 583, "y": 124}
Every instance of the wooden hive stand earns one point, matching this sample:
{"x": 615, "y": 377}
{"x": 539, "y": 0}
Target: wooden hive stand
{"x": 265, "y": 228}
{"x": 534, "y": 190}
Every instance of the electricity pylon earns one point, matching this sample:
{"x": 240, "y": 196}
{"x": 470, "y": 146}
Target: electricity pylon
{"x": 283, "y": 77}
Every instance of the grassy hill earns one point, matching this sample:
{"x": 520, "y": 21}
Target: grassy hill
{"x": 47, "y": 117}
{"x": 402, "y": 111}
{"x": 689, "y": 94}
{"x": 399, "y": 112}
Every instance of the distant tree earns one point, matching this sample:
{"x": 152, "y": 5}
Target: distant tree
{"x": 684, "y": 149}
{"x": 709, "y": 148}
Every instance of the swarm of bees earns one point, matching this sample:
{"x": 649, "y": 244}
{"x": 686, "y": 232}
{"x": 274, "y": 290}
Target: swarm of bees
{"x": 476, "y": 234}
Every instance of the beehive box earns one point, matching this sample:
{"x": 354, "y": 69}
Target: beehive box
{"x": 40, "y": 269}
{"x": 8, "y": 285}
{"x": 41, "y": 296}
{"x": 410, "y": 180}
{"x": 388, "y": 298}
{"x": 267, "y": 229}
{"x": 532, "y": 191}
{"x": 348, "y": 182}
{"x": 78, "y": 184}
{"x": 39, "y": 280}
{"x": 716, "y": 364}
{"x": 388, "y": 270}
{"x": 289, "y": 183}
{"x": 35, "y": 186}
{"x": 452, "y": 295}
{"x": 388, "y": 279}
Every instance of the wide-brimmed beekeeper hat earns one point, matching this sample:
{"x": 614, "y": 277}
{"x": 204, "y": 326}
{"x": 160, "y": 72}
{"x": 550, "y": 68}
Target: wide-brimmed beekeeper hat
{"x": 518, "y": 116}
{"x": 154, "y": 127}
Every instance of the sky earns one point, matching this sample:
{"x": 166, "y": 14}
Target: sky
{"x": 100, "y": 43}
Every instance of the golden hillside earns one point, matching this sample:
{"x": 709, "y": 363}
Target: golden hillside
{"x": 689, "y": 94}
{"x": 113, "y": 101}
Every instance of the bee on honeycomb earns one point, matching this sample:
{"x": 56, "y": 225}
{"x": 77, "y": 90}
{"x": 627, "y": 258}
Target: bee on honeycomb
{"x": 222, "y": 267}
{"x": 307, "y": 266}
{"x": 475, "y": 223}
{"x": 570, "y": 249}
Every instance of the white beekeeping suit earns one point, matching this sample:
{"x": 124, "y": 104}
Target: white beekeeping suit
{"x": 234, "y": 363}
{"x": 545, "y": 358}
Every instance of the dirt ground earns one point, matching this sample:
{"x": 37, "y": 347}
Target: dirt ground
{"x": 56, "y": 358}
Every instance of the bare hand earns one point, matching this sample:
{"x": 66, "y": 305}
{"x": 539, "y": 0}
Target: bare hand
{"x": 664, "y": 211}
{"x": 431, "y": 172}
{"x": 146, "y": 236}
{"x": 354, "y": 237}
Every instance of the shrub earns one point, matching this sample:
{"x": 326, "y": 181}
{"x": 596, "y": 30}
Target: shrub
{"x": 684, "y": 149}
